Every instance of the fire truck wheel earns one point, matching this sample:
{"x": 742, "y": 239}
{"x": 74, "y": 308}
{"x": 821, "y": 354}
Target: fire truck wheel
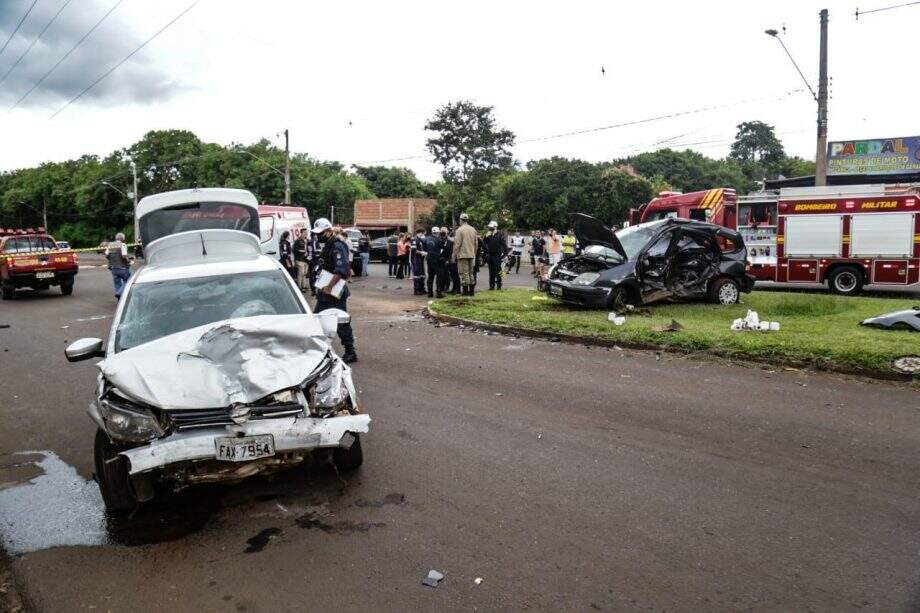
{"x": 8, "y": 292}
{"x": 112, "y": 476}
{"x": 724, "y": 291}
{"x": 67, "y": 287}
{"x": 846, "y": 281}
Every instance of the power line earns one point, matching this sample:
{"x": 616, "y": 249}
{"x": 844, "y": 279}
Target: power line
{"x": 66, "y": 55}
{"x": 884, "y": 8}
{"x": 125, "y": 59}
{"x": 616, "y": 125}
{"x": 18, "y": 25}
{"x": 40, "y": 34}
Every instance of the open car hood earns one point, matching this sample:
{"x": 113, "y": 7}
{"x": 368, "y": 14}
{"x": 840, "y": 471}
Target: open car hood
{"x": 213, "y": 366}
{"x": 592, "y": 231}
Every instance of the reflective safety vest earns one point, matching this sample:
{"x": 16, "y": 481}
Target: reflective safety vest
{"x": 568, "y": 245}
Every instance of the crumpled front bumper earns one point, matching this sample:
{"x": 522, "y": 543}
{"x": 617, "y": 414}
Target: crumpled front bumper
{"x": 290, "y": 434}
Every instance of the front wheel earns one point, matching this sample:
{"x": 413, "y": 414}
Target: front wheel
{"x": 846, "y": 281}
{"x": 349, "y": 459}
{"x": 112, "y": 475}
{"x": 724, "y": 291}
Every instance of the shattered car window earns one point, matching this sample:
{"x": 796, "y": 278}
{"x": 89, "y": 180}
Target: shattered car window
{"x": 634, "y": 238}
{"x": 159, "y": 309}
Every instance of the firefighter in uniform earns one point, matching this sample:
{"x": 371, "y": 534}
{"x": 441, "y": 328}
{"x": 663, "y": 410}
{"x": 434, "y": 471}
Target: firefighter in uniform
{"x": 496, "y": 247}
{"x": 334, "y": 260}
{"x": 417, "y": 251}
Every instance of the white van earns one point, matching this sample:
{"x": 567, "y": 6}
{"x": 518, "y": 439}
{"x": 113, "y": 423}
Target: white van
{"x": 275, "y": 219}
{"x": 210, "y": 208}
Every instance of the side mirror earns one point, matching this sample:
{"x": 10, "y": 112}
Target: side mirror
{"x": 84, "y": 349}
{"x": 330, "y": 320}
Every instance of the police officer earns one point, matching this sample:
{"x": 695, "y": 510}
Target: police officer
{"x": 334, "y": 259}
{"x": 417, "y": 251}
{"x": 451, "y": 283}
{"x": 496, "y": 246}
{"x": 433, "y": 260}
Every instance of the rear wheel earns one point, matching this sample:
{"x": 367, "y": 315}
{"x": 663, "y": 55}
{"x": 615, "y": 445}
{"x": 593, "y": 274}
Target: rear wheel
{"x": 846, "y": 281}
{"x": 351, "y": 458}
{"x": 112, "y": 475}
{"x": 724, "y": 291}
{"x": 67, "y": 287}
{"x": 8, "y": 292}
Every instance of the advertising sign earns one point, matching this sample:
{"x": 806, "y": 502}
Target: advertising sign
{"x": 880, "y": 156}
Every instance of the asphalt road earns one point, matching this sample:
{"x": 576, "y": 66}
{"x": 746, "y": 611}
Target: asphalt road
{"x": 566, "y": 478}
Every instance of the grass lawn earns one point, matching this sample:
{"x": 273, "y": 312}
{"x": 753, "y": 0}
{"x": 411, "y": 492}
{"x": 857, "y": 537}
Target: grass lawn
{"x": 818, "y": 329}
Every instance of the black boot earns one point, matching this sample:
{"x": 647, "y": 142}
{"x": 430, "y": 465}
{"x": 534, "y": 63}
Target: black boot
{"x": 350, "y": 356}
{"x": 472, "y": 290}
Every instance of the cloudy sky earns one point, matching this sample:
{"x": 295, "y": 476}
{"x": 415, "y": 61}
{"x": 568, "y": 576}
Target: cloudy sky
{"x": 355, "y": 81}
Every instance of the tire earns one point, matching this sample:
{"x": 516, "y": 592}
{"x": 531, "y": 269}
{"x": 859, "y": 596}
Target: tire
{"x": 619, "y": 298}
{"x": 349, "y": 459}
{"x": 112, "y": 476}
{"x": 67, "y": 287}
{"x": 724, "y": 291}
{"x": 8, "y": 292}
{"x": 846, "y": 281}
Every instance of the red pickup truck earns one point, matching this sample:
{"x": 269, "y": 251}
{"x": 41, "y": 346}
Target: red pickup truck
{"x": 31, "y": 258}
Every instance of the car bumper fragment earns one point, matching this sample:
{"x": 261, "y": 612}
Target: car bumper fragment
{"x": 595, "y": 297}
{"x": 290, "y": 434}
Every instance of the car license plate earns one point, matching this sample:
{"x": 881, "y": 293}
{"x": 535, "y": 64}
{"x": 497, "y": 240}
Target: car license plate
{"x": 555, "y": 290}
{"x": 244, "y": 448}
{"x": 44, "y": 275}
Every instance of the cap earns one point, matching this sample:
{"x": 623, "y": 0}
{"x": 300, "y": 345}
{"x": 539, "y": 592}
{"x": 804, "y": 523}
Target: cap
{"x": 321, "y": 225}
{"x": 493, "y": 224}
{"x": 464, "y": 217}
{"x": 435, "y": 230}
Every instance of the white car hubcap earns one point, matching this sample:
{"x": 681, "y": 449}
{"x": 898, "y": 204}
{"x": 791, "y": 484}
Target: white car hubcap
{"x": 728, "y": 294}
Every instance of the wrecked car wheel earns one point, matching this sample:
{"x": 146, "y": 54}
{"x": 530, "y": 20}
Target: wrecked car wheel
{"x": 846, "y": 281}
{"x": 348, "y": 459}
{"x": 112, "y": 475}
{"x": 619, "y": 298}
{"x": 724, "y": 291}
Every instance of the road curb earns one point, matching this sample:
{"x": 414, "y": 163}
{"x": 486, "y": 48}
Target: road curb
{"x": 602, "y": 342}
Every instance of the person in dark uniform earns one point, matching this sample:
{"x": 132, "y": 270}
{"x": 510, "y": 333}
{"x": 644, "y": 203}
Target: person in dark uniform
{"x": 496, "y": 246}
{"x": 334, "y": 259}
{"x": 433, "y": 258}
{"x": 451, "y": 270}
{"x": 417, "y": 253}
{"x": 286, "y": 254}
{"x": 480, "y": 260}
{"x": 392, "y": 258}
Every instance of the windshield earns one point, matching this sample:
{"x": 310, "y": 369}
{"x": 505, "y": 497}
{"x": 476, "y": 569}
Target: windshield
{"x": 634, "y": 238}
{"x": 198, "y": 216}
{"x": 159, "y": 309}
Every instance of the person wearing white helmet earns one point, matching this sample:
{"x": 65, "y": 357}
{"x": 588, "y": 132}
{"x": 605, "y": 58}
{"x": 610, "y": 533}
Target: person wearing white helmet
{"x": 334, "y": 260}
{"x": 496, "y": 246}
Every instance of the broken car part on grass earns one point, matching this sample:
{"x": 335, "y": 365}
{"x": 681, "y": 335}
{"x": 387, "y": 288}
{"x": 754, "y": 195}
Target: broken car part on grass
{"x": 669, "y": 259}
{"x": 908, "y": 319}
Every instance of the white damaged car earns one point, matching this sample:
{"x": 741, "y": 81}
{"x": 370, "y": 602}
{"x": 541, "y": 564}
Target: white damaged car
{"x": 215, "y": 369}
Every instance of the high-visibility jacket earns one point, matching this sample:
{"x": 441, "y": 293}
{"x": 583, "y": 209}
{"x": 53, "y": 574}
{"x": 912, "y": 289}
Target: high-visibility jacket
{"x": 568, "y": 245}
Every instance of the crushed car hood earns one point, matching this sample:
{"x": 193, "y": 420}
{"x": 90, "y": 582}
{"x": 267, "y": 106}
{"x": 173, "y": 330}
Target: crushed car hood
{"x": 909, "y": 318}
{"x": 220, "y": 364}
{"x": 592, "y": 231}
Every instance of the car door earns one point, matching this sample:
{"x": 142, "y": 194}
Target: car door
{"x": 693, "y": 261}
{"x": 654, "y": 261}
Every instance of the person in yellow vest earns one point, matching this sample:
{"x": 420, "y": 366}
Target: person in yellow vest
{"x": 568, "y": 244}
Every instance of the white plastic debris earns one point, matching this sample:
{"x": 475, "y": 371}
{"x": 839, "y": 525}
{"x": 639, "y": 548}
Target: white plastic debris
{"x": 752, "y": 321}
{"x": 477, "y": 580}
{"x": 617, "y": 320}
{"x": 433, "y": 578}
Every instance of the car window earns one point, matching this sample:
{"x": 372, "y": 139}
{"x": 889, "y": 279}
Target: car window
{"x": 266, "y": 228}
{"x": 634, "y": 238}
{"x": 155, "y": 310}
{"x": 17, "y": 245}
{"x": 198, "y": 216}
{"x": 660, "y": 247}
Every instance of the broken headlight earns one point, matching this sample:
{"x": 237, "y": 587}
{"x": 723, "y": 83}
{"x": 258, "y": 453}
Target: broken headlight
{"x": 128, "y": 422}
{"x": 586, "y": 278}
{"x": 330, "y": 391}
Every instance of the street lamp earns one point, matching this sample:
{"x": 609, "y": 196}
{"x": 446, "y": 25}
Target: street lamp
{"x": 107, "y": 184}
{"x": 820, "y": 97}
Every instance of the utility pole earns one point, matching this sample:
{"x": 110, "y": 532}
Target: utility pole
{"x": 287, "y": 168}
{"x": 137, "y": 232}
{"x": 45, "y": 215}
{"x": 332, "y": 214}
{"x": 821, "y": 157}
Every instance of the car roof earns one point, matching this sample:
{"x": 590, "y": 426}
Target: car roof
{"x": 188, "y": 196}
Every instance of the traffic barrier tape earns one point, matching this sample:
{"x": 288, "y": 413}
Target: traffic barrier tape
{"x": 99, "y": 250}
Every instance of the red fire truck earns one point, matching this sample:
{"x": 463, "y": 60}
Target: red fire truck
{"x": 30, "y": 258}
{"x": 845, "y": 236}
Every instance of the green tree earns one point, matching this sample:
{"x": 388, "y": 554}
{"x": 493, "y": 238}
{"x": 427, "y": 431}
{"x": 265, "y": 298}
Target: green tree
{"x": 690, "y": 171}
{"x": 391, "y": 182}
{"x": 756, "y": 141}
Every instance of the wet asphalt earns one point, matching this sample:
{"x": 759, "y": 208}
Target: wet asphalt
{"x": 563, "y": 477}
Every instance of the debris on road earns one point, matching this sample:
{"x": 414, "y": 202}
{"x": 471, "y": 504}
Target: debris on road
{"x": 477, "y": 580}
{"x": 908, "y": 319}
{"x": 433, "y": 578}
{"x": 751, "y": 321}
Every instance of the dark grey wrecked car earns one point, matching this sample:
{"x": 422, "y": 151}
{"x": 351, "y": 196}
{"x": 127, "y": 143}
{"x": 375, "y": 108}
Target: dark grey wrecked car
{"x": 908, "y": 319}
{"x": 669, "y": 259}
